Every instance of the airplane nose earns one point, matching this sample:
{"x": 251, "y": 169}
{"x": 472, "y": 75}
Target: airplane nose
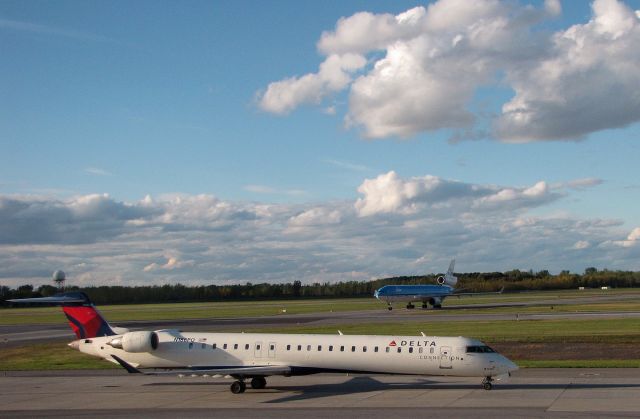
{"x": 511, "y": 366}
{"x": 75, "y": 344}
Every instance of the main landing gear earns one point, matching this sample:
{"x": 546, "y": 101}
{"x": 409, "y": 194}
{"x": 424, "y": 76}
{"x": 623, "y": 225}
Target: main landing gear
{"x": 389, "y": 307}
{"x": 410, "y": 306}
{"x": 258, "y": 382}
{"x": 486, "y": 383}
{"x": 239, "y": 385}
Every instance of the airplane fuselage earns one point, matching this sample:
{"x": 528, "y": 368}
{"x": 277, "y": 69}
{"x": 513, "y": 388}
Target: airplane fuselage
{"x": 414, "y": 293}
{"x": 311, "y": 353}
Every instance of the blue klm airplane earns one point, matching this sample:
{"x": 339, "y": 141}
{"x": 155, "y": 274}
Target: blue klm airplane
{"x": 427, "y": 294}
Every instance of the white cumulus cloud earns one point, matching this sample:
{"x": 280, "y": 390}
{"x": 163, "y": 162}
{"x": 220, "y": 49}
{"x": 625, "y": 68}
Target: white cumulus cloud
{"x": 427, "y": 64}
{"x": 398, "y": 226}
{"x": 283, "y": 96}
{"x": 587, "y": 81}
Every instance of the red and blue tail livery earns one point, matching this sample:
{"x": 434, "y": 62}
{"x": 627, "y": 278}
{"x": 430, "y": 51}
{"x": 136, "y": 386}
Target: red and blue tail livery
{"x": 84, "y": 318}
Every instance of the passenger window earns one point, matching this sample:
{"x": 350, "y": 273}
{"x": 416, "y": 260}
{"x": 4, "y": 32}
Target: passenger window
{"x": 319, "y": 348}
{"x": 246, "y": 347}
{"x": 342, "y": 349}
{"x": 288, "y": 347}
{"x": 299, "y": 347}
{"x": 204, "y": 345}
{"x": 272, "y": 347}
{"x": 330, "y": 348}
{"x": 213, "y": 346}
{"x": 420, "y": 350}
{"x": 308, "y": 347}
{"x": 431, "y": 350}
{"x": 190, "y": 345}
{"x": 353, "y": 349}
{"x": 388, "y": 349}
{"x": 258, "y": 347}
{"x": 224, "y": 346}
{"x": 399, "y": 350}
{"x": 410, "y": 350}
{"x": 235, "y": 346}
{"x": 364, "y": 349}
{"x": 375, "y": 349}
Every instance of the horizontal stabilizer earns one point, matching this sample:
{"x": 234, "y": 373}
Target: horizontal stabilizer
{"x": 67, "y": 298}
{"x": 457, "y": 293}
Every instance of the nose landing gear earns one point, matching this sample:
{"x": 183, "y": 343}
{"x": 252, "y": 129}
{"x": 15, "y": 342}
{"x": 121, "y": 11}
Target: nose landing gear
{"x": 486, "y": 383}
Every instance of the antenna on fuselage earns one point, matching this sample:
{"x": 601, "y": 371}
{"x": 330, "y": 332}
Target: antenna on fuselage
{"x": 340, "y": 333}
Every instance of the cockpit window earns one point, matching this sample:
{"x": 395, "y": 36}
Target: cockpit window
{"x": 479, "y": 349}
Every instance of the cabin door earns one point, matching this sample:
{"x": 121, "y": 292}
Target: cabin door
{"x": 258, "y": 350}
{"x": 445, "y": 357}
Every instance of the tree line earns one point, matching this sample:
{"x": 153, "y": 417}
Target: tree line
{"x": 514, "y": 280}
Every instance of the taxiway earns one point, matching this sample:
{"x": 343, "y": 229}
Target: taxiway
{"x": 529, "y": 393}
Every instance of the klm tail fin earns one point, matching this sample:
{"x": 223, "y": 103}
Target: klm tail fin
{"x": 451, "y": 267}
{"x": 83, "y": 317}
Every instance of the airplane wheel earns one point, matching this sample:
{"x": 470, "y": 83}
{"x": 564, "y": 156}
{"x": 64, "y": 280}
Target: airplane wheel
{"x": 238, "y": 387}
{"x": 258, "y": 383}
{"x": 425, "y": 306}
{"x": 410, "y": 306}
{"x": 486, "y": 383}
{"x": 390, "y": 308}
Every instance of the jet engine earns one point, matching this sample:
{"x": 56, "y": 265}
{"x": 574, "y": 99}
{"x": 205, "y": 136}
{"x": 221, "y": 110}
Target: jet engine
{"x": 447, "y": 279}
{"x": 136, "y": 342}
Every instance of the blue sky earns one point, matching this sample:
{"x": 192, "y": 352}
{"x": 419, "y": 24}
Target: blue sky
{"x": 225, "y": 105}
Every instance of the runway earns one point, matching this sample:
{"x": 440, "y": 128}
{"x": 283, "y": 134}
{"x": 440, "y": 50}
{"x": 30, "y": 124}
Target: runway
{"x": 529, "y": 393}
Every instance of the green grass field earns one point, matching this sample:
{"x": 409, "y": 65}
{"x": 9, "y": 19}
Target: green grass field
{"x": 116, "y": 313}
{"x": 48, "y": 356}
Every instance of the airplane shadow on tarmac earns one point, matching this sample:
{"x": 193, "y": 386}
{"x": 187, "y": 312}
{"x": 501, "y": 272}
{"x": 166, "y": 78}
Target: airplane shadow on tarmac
{"x": 368, "y": 384}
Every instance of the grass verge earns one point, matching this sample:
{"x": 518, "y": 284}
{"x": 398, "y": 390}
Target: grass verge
{"x": 235, "y": 309}
{"x": 48, "y": 356}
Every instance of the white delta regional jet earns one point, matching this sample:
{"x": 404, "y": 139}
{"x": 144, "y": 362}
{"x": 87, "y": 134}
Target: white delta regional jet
{"x": 255, "y": 356}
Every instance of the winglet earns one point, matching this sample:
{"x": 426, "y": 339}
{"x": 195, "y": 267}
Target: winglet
{"x": 130, "y": 368}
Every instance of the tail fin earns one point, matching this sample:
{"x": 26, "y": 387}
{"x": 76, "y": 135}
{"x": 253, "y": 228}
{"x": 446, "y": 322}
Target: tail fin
{"x": 451, "y": 267}
{"x": 449, "y": 278}
{"x": 84, "y": 318}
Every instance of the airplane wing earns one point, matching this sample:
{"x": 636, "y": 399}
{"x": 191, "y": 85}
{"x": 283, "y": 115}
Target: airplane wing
{"x": 466, "y": 294}
{"x": 247, "y": 371}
